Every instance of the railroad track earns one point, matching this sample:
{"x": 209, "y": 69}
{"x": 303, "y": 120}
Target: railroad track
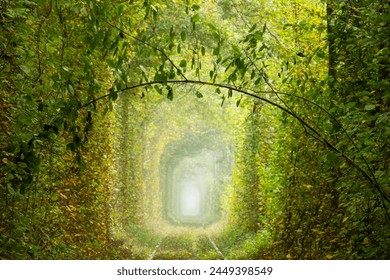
{"x": 216, "y": 248}
{"x": 186, "y": 248}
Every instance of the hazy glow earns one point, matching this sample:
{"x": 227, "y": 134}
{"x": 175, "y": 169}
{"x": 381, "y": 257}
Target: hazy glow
{"x": 194, "y": 172}
{"x": 192, "y": 180}
{"x": 190, "y": 200}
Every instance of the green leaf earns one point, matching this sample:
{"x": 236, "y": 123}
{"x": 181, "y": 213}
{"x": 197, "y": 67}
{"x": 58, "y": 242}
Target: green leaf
{"x": 55, "y": 77}
{"x": 195, "y": 7}
{"x": 70, "y": 89}
{"x": 369, "y": 107}
{"x": 183, "y": 35}
{"x": 22, "y": 164}
{"x": 113, "y": 95}
{"x": 25, "y": 69}
{"x": 161, "y": 77}
{"x": 258, "y": 36}
{"x": 199, "y": 94}
{"x": 253, "y": 74}
{"x": 236, "y": 49}
{"x": 331, "y": 156}
{"x": 238, "y": 101}
{"x": 158, "y": 89}
{"x": 321, "y": 54}
{"x": 351, "y": 105}
{"x": 230, "y": 93}
{"x": 195, "y": 18}
{"x": 143, "y": 69}
{"x": 239, "y": 63}
{"x": 170, "y": 93}
{"x": 252, "y": 28}
{"x": 223, "y": 100}
{"x": 153, "y": 8}
{"x": 212, "y": 26}
{"x": 217, "y": 35}
{"x": 120, "y": 9}
{"x": 84, "y": 11}
{"x": 233, "y": 77}
{"x": 203, "y": 50}
{"x": 183, "y": 63}
{"x": 264, "y": 27}
{"x": 11, "y": 190}
{"x": 172, "y": 74}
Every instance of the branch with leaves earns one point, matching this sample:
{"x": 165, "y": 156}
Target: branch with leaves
{"x": 317, "y": 135}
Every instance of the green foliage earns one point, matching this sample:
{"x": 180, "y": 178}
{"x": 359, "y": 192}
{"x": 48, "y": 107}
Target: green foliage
{"x": 309, "y": 85}
{"x": 52, "y": 71}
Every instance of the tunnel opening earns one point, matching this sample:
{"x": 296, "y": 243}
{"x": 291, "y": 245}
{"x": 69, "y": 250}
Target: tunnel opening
{"x": 194, "y": 171}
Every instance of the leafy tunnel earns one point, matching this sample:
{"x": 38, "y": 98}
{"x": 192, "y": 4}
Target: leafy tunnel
{"x": 226, "y": 129}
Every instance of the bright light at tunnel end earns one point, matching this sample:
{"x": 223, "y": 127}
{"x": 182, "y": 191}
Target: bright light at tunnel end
{"x": 195, "y": 177}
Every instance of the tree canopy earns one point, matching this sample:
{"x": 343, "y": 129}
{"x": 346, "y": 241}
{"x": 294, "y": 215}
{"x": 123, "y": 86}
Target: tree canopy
{"x": 102, "y": 102}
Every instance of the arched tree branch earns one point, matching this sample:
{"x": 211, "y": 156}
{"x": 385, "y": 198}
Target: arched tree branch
{"x": 313, "y": 132}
